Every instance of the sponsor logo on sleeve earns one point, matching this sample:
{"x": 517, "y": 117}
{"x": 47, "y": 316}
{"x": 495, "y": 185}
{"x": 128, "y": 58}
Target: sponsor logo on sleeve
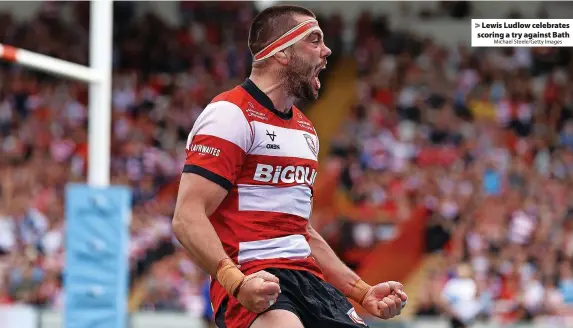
{"x": 206, "y": 150}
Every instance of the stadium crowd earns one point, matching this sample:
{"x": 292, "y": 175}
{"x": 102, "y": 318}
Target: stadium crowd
{"x": 483, "y": 139}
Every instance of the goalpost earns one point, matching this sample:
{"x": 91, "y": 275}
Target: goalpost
{"x": 97, "y": 75}
{"x": 97, "y": 214}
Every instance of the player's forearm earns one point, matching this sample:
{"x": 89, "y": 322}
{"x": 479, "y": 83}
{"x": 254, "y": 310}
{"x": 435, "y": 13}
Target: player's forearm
{"x": 335, "y": 271}
{"x": 198, "y": 237}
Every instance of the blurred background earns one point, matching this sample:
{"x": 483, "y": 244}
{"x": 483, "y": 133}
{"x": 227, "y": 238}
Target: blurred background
{"x": 446, "y": 167}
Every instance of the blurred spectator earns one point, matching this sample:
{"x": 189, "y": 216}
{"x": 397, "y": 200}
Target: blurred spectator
{"x": 461, "y": 298}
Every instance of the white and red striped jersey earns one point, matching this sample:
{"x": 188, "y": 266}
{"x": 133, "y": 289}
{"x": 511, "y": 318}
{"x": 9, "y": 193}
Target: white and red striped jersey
{"x": 267, "y": 160}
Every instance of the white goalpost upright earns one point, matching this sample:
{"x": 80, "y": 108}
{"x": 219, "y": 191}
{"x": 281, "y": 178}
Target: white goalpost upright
{"x": 99, "y": 121}
{"x": 97, "y": 215}
{"x": 97, "y": 75}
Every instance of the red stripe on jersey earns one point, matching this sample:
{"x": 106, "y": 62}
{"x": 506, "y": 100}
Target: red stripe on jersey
{"x": 297, "y": 122}
{"x": 217, "y": 155}
{"x": 234, "y": 226}
{"x": 301, "y": 122}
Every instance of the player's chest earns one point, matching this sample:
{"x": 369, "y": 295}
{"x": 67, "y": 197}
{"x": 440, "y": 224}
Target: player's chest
{"x": 286, "y": 142}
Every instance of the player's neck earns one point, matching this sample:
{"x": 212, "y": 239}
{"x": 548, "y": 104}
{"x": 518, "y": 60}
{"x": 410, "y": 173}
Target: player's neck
{"x": 275, "y": 90}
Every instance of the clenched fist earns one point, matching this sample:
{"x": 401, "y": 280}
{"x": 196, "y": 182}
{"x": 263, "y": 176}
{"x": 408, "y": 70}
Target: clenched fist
{"x": 385, "y": 300}
{"x": 259, "y": 291}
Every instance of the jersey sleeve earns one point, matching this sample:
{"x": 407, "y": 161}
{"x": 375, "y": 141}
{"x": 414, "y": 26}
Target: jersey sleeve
{"x": 218, "y": 143}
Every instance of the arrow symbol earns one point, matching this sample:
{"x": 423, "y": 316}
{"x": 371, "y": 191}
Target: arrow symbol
{"x": 476, "y": 25}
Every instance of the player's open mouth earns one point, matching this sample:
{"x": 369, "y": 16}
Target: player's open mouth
{"x": 316, "y": 80}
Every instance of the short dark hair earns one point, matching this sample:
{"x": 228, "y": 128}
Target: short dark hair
{"x": 273, "y": 22}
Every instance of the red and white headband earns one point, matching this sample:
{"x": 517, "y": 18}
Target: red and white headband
{"x": 286, "y": 40}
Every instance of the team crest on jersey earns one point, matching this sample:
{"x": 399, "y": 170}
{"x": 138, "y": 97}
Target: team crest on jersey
{"x": 354, "y": 317}
{"x": 311, "y": 144}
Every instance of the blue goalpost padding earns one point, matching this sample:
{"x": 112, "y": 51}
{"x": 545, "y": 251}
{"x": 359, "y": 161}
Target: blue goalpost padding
{"x": 97, "y": 244}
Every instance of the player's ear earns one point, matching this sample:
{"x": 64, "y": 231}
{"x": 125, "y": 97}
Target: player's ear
{"x": 282, "y": 57}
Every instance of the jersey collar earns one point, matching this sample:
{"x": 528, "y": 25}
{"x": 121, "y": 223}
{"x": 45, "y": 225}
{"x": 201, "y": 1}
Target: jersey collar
{"x": 264, "y": 100}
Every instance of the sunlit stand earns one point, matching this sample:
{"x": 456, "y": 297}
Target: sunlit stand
{"x": 97, "y": 214}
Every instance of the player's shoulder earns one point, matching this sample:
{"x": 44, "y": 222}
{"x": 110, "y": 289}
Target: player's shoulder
{"x": 224, "y": 117}
{"x": 302, "y": 121}
{"x": 233, "y": 100}
{"x": 226, "y": 111}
